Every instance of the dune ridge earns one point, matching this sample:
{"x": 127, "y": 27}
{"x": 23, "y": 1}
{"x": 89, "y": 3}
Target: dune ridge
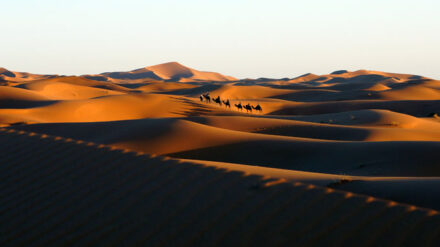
{"x": 171, "y": 71}
{"x": 292, "y": 212}
{"x": 13, "y": 76}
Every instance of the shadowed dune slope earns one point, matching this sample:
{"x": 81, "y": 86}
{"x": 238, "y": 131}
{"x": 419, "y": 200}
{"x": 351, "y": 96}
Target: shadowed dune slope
{"x": 100, "y": 196}
{"x": 248, "y": 92}
{"x": 402, "y": 158}
{"x": 412, "y": 190}
{"x": 168, "y": 135}
{"x": 11, "y": 97}
{"x": 12, "y": 93}
{"x": 420, "y": 108}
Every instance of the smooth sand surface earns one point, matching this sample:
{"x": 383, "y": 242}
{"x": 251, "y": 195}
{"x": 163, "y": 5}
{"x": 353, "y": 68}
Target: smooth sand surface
{"x": 368, "y": 132}
{"x": 172, "y": 71}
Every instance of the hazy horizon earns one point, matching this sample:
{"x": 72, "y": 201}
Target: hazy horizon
{"x": 244, "y": 39}
{"x": 257, "y": 77}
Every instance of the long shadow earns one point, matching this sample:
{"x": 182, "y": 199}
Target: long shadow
{"x": 193, "y": 108}
{"x": 193, "y": 91}
{"x": 398, "y": 158}
{"x": 417, "y": 108}
{"x": 104, "y": 132}
{"x": 24, "y": 104}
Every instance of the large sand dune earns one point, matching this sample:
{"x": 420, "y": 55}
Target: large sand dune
{"x": 57, "y": 191}
{"x": 366, "y": 132}
{"x": 172, "y": 71}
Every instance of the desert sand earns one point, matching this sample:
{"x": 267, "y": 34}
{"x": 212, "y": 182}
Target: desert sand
{"x": 346, "y": 138}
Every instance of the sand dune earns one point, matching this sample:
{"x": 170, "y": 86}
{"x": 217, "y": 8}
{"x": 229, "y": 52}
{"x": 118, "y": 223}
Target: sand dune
{"x": 304, "y": 78}
{"x": 377, "y": 87}
{"x": 413, "y": 92}
{"x": 248, "y": 92}
{"x": 13, "y": 76}
{"x": 165, "y": 202}
{"x": 414, "y": 190}
{"x": 58, "y": 90}
{"x": 172, "y": 71}
{"x": 176, "y": 71}
{"x": 165, "y": 87}
{"x": 367, "y": 132}
{"x": 280, "y": 143}
{"x": 40, "y": 85}
{"x": 113, "y": 108}
{"x": 419, "y": 108}
{"x": 16, "y": 94}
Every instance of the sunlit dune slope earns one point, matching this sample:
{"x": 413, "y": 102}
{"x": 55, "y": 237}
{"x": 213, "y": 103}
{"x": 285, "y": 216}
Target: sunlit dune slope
{"x": 176, "y": 71}
{"x": 247, "y": 92}
{"x": 420, "y": 90}
{"x": 75, "y": 81}
{"x": 13, "y": 76}
{"x": 59, "y": 90}
{"x": 112, "y": 108}
{"x": 13, "y": 93}
{"x": 172, "y": 71}
{"x": 377, "y": 87}
{"x": 165, "y": 87}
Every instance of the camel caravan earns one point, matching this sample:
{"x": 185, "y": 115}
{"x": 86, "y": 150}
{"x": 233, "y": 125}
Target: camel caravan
{"x": 207, "y": 98}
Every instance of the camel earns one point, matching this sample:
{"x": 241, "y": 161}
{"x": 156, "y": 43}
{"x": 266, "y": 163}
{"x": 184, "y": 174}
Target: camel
{"x": 248, "y": 108}
{"x": 207, "y": 97}
{"x": 201, "y": 98}
{"x": 217, "y": 100}
{"x": 258, "y": 108}
{"x": 227, "y": 104}
{"x": 239, "y": 106}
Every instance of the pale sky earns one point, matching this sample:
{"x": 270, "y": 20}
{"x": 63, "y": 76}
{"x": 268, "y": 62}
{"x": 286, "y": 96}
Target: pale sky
{"x": 241, "y": 38}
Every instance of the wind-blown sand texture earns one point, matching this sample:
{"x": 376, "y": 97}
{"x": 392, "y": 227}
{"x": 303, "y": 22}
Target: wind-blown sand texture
{"x": 58, "y": 191}
{"x": 320, "y": 164}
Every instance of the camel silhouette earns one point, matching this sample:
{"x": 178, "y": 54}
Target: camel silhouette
{"x": 258, "y": 108}
{"x": 207, "y": 97}
{"x": 239, "y": 106}
{"x": 217, "y": 100}
{"x": 201, "y": 98}
{"x": 227, "y": 104}
{"x": 248, "y": 108}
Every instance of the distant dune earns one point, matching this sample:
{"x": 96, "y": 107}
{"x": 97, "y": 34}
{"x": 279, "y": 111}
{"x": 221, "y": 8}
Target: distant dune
{"x": 172, "y": 71}
{"x": 367, "y": 132}
{"x": 13, "y": 76}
